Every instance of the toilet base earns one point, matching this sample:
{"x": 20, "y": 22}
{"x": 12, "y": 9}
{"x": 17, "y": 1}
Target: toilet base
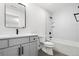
{"x": 47, "y": 50}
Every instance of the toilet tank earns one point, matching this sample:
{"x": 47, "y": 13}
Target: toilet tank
{"x": 42, "y": 38}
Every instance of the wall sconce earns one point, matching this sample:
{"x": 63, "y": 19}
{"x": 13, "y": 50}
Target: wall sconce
{"x": 76, "y": 15}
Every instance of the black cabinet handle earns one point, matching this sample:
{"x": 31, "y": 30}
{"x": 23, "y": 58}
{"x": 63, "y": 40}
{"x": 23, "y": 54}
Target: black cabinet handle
{"x": 22, "y": 50}
{"x": 19, "y": 53}
{"x": 34, "y": 39}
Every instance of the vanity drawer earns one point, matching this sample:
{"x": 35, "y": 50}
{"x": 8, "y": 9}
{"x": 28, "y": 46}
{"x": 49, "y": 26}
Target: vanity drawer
{"x": 24, "y": 40}
{"x": 3, "y": 43}
{"x": 33, "y": 38}
{"x": 17, "y": 41}
{"x": 13, "y": 42}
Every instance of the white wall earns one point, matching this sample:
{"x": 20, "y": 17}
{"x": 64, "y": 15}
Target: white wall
{"x": 35, "y": 21}
{"x": 66, "y": 27}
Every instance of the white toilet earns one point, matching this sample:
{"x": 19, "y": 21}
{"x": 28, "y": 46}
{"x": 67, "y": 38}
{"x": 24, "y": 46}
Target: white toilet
{"x": 47, "y": 47}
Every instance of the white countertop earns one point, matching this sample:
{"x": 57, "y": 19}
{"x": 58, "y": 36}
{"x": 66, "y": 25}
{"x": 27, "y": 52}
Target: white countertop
{"x": 14, "y": 36}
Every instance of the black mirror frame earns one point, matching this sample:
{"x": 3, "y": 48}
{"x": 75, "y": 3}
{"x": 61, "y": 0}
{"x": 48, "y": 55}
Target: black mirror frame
{"x": 5, "y": 16}
{"x": 76, "y": 17}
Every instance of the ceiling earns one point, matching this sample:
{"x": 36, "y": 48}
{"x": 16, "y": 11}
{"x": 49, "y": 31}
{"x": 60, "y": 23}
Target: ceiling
{"x": 52, "y": 7}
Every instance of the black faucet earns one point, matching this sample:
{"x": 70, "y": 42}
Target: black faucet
{"x": 17, "y": 31}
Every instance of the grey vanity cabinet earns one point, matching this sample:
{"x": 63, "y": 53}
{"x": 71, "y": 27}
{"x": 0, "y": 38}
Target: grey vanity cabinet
{"x": 23, "y": 46}
{"x": 30, "y": 49}
{"x": 11, "y": 51}
{"x": 33, "y": 49}
{"x": 33, "y": 46}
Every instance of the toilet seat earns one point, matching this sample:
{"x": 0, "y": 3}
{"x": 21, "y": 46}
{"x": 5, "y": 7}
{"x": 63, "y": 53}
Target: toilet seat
{"x": 48, "y": 44}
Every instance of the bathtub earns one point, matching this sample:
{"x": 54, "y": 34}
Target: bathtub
{"x": 70, "y": 48}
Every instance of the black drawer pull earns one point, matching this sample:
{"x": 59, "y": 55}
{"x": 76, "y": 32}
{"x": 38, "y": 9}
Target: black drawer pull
{"x": 22, "y": 50}
{"x": 19, "y": 53}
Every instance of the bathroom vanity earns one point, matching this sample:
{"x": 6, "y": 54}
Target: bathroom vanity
{"x": 14, "y": 17}
{"x": 19, "y": 46}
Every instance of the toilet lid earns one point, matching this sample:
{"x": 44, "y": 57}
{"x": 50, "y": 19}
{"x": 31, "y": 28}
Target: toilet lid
{"x": 49, "y": 43}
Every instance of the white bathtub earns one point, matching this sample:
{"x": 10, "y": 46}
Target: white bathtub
{"x": 66, "y": 47}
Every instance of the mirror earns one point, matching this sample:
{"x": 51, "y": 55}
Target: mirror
{"x": 15, "y": 15}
